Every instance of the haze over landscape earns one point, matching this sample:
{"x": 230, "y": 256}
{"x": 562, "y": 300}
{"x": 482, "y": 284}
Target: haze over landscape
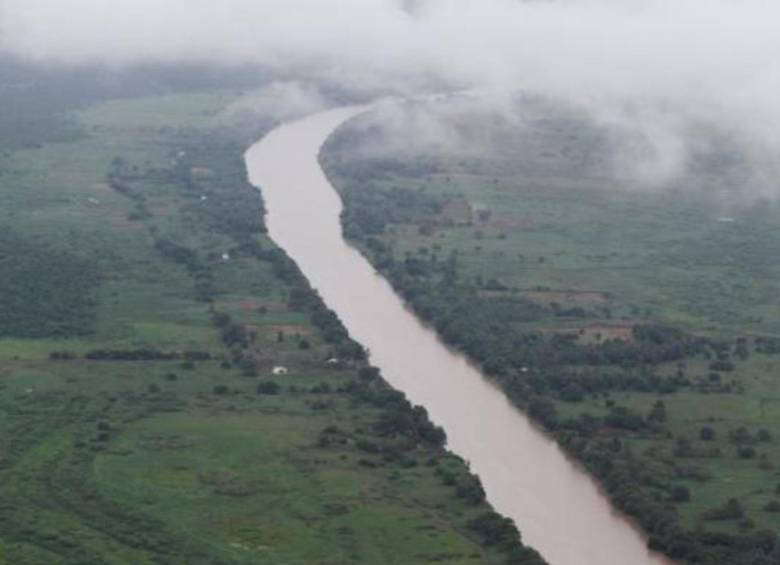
{"x": 664, "y": 67}
{"x": 389, "y": 281}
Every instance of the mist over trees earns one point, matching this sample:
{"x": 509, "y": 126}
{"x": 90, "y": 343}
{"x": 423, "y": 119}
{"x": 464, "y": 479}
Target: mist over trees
{"x": 662, "y": 68}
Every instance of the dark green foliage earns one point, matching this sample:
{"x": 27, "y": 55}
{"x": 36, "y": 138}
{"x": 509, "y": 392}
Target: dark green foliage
{"x": 268, "y": 387}
{"x": 305, "y": 299}
{"x": 768, "y": 345}
{"x": 707, "y": 434}
{"x": 658, "y": 412}
{"x": 471, "y": 490}
{"x": 722, "y": 365}
{"x": 680, "y": 494}
{"x": 368, "y": 374}
{"x": 478, "y": 293}
{"x": 731, "y": 510}
{"x": 115, "y": 405}
{"x": 772, "y": 506}
{"x": 624, "y": 418}
{"x": 370, "y": 211}
{"x": 400, "y": 418}
{"x": 746, "y": 452}
{"x": 497, "y": 530}
{"x": 44, "y": 292}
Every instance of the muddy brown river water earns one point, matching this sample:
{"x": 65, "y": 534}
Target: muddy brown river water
{"x": 557, "y": 506}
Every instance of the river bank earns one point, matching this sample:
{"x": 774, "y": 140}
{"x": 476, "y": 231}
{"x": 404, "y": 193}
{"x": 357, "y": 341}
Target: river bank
{"x": 558, "y": 508}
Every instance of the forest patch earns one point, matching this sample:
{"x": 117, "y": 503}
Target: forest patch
{"x": 44, "y": 292}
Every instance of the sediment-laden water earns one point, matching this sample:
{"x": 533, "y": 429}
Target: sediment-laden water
{"x": 557, "y": 506}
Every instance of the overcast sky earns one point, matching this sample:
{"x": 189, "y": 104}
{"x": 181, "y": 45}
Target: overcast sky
{"x": 668, "y": 61}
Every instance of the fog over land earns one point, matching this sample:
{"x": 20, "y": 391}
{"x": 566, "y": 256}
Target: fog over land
{"x": 663, "y": 66}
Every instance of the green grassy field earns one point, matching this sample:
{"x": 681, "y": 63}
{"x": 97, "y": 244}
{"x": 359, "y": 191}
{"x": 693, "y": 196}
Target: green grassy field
{"x": 187, "y": 459}
{"x": 527, "y": 217}
{"x": 688, "y": 258}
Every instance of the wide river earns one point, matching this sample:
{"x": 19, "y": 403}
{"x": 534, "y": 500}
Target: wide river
{"x": 557, "y": 507}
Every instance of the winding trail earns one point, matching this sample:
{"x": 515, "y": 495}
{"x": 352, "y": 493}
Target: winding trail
{"x": 557, "y": 506}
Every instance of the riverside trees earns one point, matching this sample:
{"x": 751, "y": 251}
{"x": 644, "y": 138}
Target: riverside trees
{"x": 637, "y": 398}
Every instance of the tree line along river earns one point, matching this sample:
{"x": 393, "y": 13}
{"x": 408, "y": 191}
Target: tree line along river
{"x": 556, "y": 505}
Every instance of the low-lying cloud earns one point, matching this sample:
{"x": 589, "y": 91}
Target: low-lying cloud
{"x": 664, "y": 65}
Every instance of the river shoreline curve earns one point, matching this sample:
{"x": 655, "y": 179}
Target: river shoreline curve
{"x": 557, "y": 506}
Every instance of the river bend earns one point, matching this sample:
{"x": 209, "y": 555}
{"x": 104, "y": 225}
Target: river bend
{"x": 526, "y": 476}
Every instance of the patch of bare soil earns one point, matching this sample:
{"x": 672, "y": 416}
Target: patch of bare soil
{"x": 599, "y": 333}
{"x": 201, "y": 172}
{"x": 290, "y": 329}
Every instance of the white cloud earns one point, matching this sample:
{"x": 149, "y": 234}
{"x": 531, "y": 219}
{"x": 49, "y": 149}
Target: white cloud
{"x": 662, "y": 62}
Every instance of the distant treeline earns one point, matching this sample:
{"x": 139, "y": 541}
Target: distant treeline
{"x": 36, "y": 99}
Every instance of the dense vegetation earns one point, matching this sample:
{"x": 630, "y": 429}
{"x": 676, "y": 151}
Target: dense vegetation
{"x": 37, "y": 99}
{"x": 43, "y": 292}
{"x": 142, "y": 312}
{"x": 638, "y": 327}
